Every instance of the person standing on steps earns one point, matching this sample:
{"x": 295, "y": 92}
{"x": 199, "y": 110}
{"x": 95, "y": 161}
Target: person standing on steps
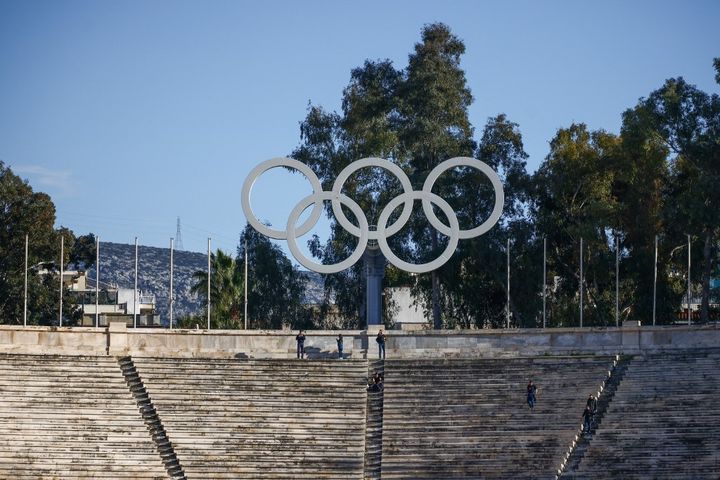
{"x": 300, "y": 339}
{"x": 531, "y": 394}
{"x": 339, "y": 341}
{"x": 381, "y": 344}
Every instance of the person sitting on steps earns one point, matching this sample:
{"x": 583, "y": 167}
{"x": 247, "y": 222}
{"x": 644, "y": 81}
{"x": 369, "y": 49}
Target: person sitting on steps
{"x": 375, "y": 384}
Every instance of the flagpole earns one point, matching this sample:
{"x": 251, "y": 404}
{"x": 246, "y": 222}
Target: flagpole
{"x": 26, "y": 280}
{"x": 208, "y": 286}
{"x": 135, "y": 294}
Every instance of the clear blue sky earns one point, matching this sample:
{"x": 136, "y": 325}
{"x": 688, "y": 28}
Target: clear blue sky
{"x": 131, "y": 114}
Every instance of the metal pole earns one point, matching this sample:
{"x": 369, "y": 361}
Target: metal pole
{"x": 617, "y": 280}
{"x": 25, "y": 294}
{"x": 544, "y": 279}
{"x": 246, "y": 286}
{"x": 135, "y": 295}
{"x": 688, "y": 291}
{"x": 172, "y": 300}
{"x": 62, "y": 268}
{"x": 655, "y": 278}
{"x": 97, "y": 281}
{"x": 581, "y": 282}
{"x": 507, "y": 307}
{"x": 208, "y": 286}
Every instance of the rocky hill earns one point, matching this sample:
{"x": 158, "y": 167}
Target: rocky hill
{"x": 117, "y": 268}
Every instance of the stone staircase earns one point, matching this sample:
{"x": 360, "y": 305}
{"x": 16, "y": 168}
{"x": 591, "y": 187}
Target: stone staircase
{"x": 66, "y": 417}
{"x": 152, "y": 419}
{"x": 468, "y": 418}
{"x": 579, "y": 446}
{"x": 374, "y": 427}
{"x": 261, "y": 419}
{"x": 661, "y": 423}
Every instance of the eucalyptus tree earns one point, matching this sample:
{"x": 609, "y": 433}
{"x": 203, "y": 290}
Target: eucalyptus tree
{"x": 433, "y": 101}
{"x": 574, "y": 200}
{"x": 474, "y": 280}
{"x": 685, "y": 122}
{"x": 416, "y": 118}
{"x": 330, "y": 141}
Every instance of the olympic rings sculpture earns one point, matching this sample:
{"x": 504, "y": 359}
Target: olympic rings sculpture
{"x": 363, "y": 231}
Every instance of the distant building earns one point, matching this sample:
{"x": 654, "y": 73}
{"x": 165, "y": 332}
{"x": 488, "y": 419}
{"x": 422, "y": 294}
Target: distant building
{"x": 113, "y": 303}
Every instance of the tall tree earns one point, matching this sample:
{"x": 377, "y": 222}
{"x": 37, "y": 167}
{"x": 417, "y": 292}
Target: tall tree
{"x": 573, "y": 201}
{"x": 434, "y": 126}
{"x": 474, "y": 283}
{"x": 329, "y": 142}
{"x": 25, "y": 212}
{"x": 686, "y": 121}
{"x": 416, "y": 118}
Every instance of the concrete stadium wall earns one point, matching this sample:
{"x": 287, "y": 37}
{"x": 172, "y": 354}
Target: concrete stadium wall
{"x": 119, "y": 340}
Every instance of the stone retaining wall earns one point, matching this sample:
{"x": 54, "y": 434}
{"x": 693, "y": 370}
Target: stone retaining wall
{"x": 119, "y": 340}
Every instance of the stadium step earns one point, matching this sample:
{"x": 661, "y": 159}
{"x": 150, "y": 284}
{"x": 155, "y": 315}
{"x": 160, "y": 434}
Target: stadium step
{"x": 151, "y": 419}
{"x": 580, "y": 443}
{"x": 374, "y": 425}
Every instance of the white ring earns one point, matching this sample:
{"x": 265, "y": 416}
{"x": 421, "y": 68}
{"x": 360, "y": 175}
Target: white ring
{"x": 478, "y": 165}
{"x": 371, "y": 162}
{"x": 383, "y": 232}
{"x": 264, "y": 167}
{"x": 453, "y": 237}
{"x": 318, "y": 199}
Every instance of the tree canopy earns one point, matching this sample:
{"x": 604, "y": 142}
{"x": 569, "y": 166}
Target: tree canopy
{"x": 616, "y": 192}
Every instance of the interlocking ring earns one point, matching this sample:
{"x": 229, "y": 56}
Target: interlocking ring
{"x": 363, "y": 231}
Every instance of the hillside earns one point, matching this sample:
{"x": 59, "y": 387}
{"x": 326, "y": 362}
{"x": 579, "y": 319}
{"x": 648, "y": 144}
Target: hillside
{"x": 117, "y": 267}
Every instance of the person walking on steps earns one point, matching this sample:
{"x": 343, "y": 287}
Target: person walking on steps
{"x": 587, "y": 419}
{"x": 339, "y": 341}
{"x": 381, "y": 344}
{"x": 300, "y": 339}
{"x": 531, "y": 394}
{"x": 592, "y": 403}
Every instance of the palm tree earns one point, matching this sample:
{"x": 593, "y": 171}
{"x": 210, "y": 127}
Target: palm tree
{"x": 226, "y": 286}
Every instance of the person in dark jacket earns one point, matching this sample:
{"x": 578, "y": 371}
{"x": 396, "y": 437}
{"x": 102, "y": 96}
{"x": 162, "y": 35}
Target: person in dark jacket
{"x": 587, "y": 419}
{"x": 531, "y": 394}
{"x": 300, "y": 339}
{"x": 381, "y": 344}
